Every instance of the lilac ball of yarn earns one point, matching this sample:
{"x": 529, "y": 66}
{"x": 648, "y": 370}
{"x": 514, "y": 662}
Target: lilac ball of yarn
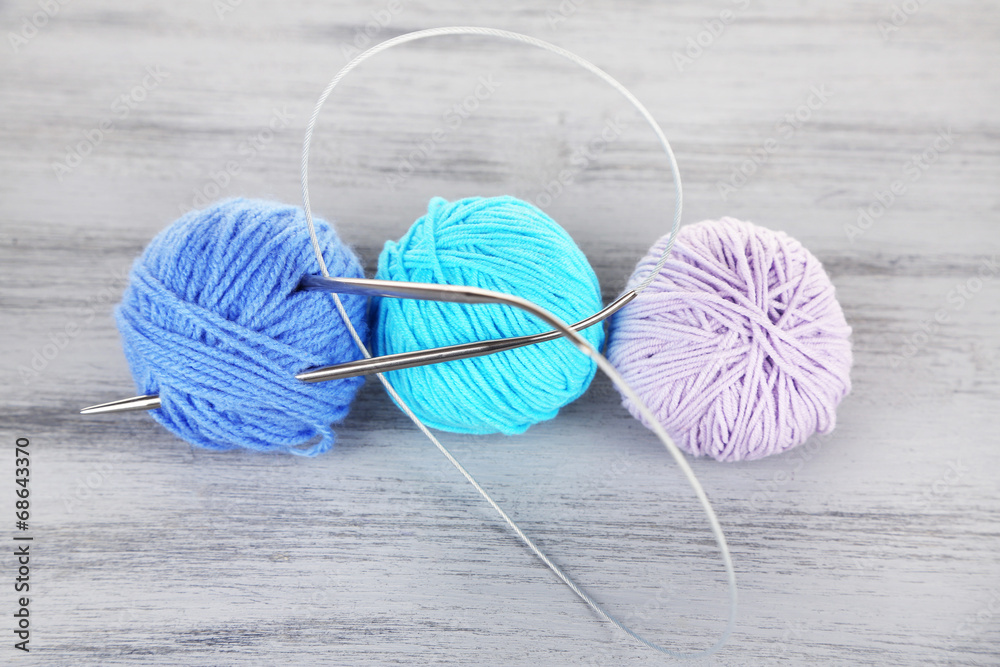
{"x": 738, "y": 345}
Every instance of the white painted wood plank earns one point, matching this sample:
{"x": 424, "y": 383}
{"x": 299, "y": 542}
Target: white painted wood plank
{"x": 858, "y": 548}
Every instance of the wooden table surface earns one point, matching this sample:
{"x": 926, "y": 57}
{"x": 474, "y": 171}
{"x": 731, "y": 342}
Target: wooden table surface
{"x": 876, "y": 545}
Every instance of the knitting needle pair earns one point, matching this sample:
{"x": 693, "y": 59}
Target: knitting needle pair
{"x": 393, "y": 362}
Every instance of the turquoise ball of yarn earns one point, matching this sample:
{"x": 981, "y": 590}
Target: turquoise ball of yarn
{"x": 212, "y": 322}
{"x": 501, "y": 244}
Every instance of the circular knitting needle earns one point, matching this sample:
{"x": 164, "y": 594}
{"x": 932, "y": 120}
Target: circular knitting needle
{"x": 147, "y": 402}
{"x": 395, "y": 362}
{"x": 402, "y": 290}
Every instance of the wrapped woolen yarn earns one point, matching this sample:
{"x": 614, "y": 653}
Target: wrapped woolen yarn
{"x": 738, "y": 345}
{"x": 501, "y": 244}
{"x": 212, "y": 321}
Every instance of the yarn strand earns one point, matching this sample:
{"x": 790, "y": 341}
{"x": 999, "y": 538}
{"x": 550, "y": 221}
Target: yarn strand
{"x": 581, "y": 343}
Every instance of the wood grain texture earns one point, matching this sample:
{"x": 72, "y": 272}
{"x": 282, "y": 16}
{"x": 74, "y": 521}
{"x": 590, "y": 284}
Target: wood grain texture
{"x": 875, "y": 545}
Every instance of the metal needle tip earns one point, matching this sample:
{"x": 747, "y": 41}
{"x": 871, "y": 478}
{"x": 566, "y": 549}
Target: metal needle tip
{"x": 148, "y": 402}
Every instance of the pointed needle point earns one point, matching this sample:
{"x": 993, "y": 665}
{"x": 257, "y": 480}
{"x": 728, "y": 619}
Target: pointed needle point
{"x": 149, "y": 402}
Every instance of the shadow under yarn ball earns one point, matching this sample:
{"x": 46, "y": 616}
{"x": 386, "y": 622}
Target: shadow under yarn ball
{"x": 212, "y": 322}
{"x": 501, "y": 244}
{"x": 738, "y": 346}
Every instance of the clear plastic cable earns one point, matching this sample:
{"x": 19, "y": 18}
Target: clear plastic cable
{"x": 580, "y": 342}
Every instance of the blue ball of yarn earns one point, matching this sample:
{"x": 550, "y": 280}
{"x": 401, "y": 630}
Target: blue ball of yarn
{"x": 212, "y": 322}
{"x": 501, "y": 244}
